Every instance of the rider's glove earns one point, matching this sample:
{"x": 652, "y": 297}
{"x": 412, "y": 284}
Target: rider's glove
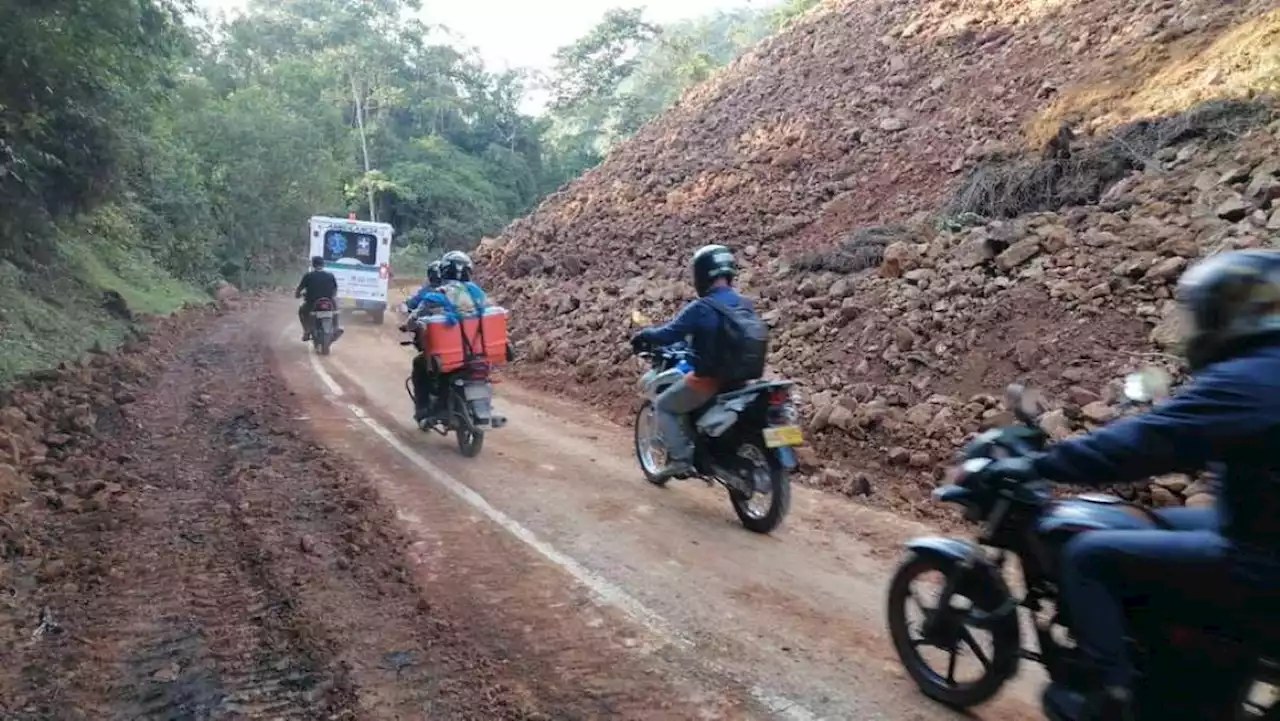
{"x": 639, "y": 341}
{"x": 1018, "y": 469}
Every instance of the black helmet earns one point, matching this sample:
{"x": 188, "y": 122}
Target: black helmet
{"x": 1230, "y": 301}
{"x": 434, "y": 276}
{"x": 711, "y": 262}
{"x": 456, "y": 265}
{"x": 317, "y": 261}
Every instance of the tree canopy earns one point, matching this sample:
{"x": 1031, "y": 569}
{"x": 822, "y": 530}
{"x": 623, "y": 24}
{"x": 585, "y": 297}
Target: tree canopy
{"x": 208, "y": 144}
{"x": 626, "y": 71}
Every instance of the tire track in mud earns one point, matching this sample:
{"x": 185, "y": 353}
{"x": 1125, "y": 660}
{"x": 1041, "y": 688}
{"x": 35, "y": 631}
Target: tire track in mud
{"x": 252, "y": 578}
{"x": 250, "y": 572}
{"x": 183, "y": 622}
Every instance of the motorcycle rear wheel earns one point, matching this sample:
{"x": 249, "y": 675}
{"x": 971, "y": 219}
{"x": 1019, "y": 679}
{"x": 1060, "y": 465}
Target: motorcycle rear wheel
{"x": 469, "y": 442}
{"x": 470, "y": 438}
{"x": 764, "y": 461}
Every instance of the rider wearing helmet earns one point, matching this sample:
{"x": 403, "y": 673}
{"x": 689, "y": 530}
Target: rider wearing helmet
{"x": 1228, "y": 416}
{"x": 713, "y": 268}
{"x": 449, "y": 290}
{"x": 315, "y": 284}
{"x": 432, "y": 285}
{"x": 456, "y": 269}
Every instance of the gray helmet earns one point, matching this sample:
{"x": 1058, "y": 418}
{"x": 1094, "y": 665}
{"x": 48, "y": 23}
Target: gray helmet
{"x": 1230, "y": 301}
{"x": 456, "y": 265}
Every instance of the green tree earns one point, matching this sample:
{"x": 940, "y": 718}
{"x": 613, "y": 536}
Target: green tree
{"x": 625, "y": 72}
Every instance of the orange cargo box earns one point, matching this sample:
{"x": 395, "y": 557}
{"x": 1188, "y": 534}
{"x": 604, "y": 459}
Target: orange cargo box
{"x": 475, "y": 338}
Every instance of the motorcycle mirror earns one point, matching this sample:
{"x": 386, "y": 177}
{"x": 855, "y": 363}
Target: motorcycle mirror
{"x": 1147, "y": 385}
{"x": 640, "y": 320}
{"x": 1026, "y": 403}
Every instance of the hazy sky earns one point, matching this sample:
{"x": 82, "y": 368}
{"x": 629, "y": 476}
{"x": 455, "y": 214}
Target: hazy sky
{"x": 524, "y": 33}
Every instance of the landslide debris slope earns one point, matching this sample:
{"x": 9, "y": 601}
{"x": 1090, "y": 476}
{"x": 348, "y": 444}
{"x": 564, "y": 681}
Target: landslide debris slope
{"x": 892, "y": 136}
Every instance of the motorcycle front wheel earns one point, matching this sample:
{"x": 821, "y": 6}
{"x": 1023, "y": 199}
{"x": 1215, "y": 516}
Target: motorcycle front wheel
{"x": 764, "y": 509}
{"x": 950, "y": 636}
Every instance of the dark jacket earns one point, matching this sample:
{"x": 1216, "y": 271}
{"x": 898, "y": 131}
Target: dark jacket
{"x": 1228, "y": 417}
{"x": 699, "y": 323}
{"x": 317, "y": 284}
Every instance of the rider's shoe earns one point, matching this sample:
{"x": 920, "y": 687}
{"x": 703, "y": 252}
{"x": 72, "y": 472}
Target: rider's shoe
{"x": 306, "y": 336}
{"x": 1065, "y": 704}
{"x": 675, "y": 469}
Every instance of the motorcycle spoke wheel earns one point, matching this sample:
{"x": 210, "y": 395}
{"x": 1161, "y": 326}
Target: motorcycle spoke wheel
{"x": 953, "y": 662}
{"x": 756, "y": 470}
{"x": 650, "y": 452}
{"x": 763, "y": 509}
{"x": 954, "y": 643}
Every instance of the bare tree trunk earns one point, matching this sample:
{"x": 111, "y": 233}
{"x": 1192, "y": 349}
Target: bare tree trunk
{"x": 364, "y": 144}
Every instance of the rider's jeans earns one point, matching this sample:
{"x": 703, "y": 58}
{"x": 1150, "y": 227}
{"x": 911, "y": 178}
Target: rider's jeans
{"x": 1191, "y": 519}
{"x": 424, "y": 385}
{"x": 672, "y": 406}
{"x": 1185, "y": 573}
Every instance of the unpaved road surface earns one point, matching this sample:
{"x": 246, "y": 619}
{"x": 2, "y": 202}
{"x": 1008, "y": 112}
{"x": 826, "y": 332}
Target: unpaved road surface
{"x": 794, "y": 621}
{"x": 276, "y": 540}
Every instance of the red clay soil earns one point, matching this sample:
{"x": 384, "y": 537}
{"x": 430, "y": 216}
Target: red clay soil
{"x": 872, "y": 114}
{"x": 174, "y": 544}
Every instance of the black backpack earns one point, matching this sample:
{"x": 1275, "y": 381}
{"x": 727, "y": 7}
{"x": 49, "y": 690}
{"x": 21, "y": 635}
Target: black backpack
{"x": 741, "y": 347}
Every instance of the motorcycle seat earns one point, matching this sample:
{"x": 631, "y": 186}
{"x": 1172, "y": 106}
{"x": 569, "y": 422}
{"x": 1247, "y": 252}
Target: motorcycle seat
{"x": 733, "y": 390}
{"x": 750, "y": 387}
{"x": 1138, "y": 511}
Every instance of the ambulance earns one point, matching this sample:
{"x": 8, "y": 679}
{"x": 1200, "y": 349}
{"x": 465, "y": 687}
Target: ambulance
{"x": 358, "y": 253}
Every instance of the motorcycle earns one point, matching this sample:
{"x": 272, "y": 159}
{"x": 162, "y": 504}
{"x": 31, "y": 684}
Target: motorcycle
{"x": 468, "y": 405}
{"x": 743, "y": 438}
{"x": 324, "y": 328}
{"x": 1185, "y": 671}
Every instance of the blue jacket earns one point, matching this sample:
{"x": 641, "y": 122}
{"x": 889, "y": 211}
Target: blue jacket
{"x": 1227, "y": 418}
{"x": 436, "y": 296}
{"x": 698, "y": 322}
{"x": 429, "y": 295}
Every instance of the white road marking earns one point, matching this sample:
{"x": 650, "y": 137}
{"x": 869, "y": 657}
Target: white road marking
{"x": 784, "y": 707}
{"x": 330, "y": 383}
{"x": 602, "y": 589}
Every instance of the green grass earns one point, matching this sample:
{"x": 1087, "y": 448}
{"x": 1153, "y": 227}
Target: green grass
{"x": 53, "y": 312}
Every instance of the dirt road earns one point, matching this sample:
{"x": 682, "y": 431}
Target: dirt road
{"x": 792, "y": 622}
{"x": 220, "y": 525}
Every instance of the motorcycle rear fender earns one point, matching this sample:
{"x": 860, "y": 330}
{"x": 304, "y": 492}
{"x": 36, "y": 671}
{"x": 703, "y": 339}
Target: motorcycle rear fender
{"x": 953, "y": 554}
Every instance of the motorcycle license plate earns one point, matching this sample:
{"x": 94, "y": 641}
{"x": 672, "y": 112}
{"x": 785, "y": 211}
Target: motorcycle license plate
{"x": 477, "y": 391}
{"x": 324, "y": 314}
{"x": 782, "y": 436}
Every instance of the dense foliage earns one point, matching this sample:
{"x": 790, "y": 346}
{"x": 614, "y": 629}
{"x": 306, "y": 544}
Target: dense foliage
{"x": 202, "y": 147}
{"x": 626, "y": 71}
